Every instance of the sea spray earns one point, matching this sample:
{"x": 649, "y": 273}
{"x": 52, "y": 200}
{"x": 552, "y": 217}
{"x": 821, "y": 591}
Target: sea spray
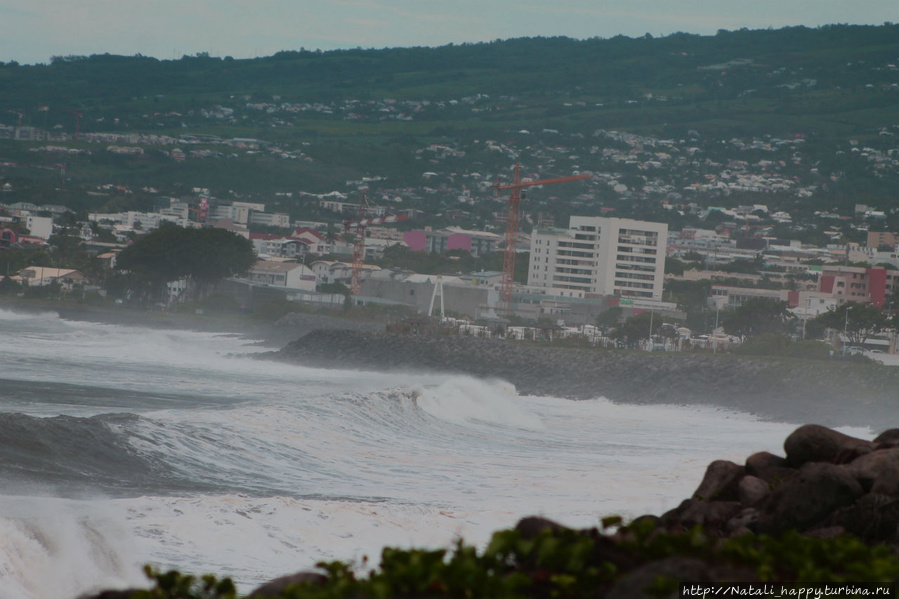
{"x": 465, "y": 399}
{"x": 175, "y": 454}
{"x": 58, "y": 548}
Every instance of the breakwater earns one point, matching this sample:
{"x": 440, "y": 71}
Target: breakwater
{"x": 831, "y": 392}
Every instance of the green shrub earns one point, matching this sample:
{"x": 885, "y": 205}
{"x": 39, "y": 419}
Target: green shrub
{"x": 567, "y": 564}
{"x": 812, "y": 350}
{"x": 769, "y": 344}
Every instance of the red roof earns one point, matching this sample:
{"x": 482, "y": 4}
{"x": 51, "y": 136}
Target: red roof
{"x": 306, "y": 231}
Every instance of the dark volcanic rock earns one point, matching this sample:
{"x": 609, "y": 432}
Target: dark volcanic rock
{"x": 752, "y": 490}
{"x": 770, "y": 468}
{"x": 767, "y": 388}
{"x": 888, "y": 438}
{"x": 878, "y": 471}
{"x": 711, "y": 514}
{"x": 805, "y": 500}
{"x": 682, "y": 569}
{"x": 533, "y": 526}
{"x": 275, "y": 588}
{"x": 816, "y": 443}
{"x": 720, "y": 482}
{"x": 763, "y": 460}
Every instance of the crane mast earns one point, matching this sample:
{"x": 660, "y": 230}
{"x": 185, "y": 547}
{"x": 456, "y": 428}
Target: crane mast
{"x": 78, "y": 114}
{"x": 358, "y": 250}
{"x": 512, "y": 219}
{"x": 360, "y": 225}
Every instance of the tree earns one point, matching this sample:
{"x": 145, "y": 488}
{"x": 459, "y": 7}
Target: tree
{"x": 689, "y": 295}
{"x": 758, "y": 316}
{"x": 673, "y": 266}
{"x": 609, "y": 318}
{"x": 860, "y": 321}
{"x": 638, "y": 327}
{"x": 170, "y": 253}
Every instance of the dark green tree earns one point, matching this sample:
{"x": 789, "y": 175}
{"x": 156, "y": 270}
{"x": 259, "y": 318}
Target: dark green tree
{"x": 609, "y": 318}
{"x": 689, "y": 295}
{"x": 758, "y": 316}
{"x": 859, "y": 321}
{"x": 637, "y": 328}
{"x": 203, "y": 256}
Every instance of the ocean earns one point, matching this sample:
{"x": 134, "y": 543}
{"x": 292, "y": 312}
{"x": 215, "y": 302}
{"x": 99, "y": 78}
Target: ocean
{"x": 124, "y": 446}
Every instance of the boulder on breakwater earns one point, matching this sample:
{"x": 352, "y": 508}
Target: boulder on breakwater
{"x": 833, "y": 393}
{"x": 827, "y": 486}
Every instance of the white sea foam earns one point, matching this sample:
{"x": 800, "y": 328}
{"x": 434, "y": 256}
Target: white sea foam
{"x": 262, "y": 469}
{"x": 53, "y": 548}
{"x": 464, "y": 399}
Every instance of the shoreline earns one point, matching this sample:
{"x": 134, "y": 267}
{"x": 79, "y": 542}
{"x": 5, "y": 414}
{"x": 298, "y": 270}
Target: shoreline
{"x": 831, "y": 393}
{"x": 274, "y": 335}
{"x": 795, "y": 391}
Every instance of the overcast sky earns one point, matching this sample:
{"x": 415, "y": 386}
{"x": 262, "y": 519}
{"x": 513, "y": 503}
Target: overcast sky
{"x": 34, "y": 30}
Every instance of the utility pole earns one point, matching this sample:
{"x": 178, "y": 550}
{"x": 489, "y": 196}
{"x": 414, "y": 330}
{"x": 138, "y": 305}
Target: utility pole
{"x": 845, "y": 330}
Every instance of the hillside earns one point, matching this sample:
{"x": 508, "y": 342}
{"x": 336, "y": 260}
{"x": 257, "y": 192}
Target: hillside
{"x": 430, "y": 128}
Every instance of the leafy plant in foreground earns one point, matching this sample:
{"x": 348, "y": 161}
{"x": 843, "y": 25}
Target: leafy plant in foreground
{"x": 566, "y": 564}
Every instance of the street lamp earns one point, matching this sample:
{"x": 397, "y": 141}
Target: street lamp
{"x": 892, "y": 324}
{"x": 715, "y": 332}
{"x": 845, "y": 328}
{"x": 808, "y": 311}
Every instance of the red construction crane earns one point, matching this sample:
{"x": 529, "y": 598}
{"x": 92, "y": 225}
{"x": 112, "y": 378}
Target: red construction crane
{"x": 21, "y": 114}
{"x": 512, "y": 226}
{"x": 361, "y": 224}
{"x": 78, "y": 114}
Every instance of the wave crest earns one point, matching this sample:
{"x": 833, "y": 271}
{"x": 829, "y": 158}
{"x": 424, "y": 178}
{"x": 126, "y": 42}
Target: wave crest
{"x": 463, "y": 400}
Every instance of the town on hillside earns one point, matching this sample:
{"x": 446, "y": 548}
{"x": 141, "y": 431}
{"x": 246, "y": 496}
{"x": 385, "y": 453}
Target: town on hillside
{"x": 720, "y": 192}
{"x": 595, "y": 278}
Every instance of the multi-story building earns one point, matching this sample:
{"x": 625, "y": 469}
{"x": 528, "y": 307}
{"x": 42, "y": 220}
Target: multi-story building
{"x": 277, "y": 220}
{"x": 857, "y": 284}
{"x": 600, "y": 256}
{"x": 477, "y": 243}
{"x": 878, "y": 239}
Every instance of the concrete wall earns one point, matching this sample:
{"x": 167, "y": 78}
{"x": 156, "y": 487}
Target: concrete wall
{"x": 459, "y": 299}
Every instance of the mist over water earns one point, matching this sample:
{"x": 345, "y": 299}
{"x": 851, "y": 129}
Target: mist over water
{"x": 124, "y": 446}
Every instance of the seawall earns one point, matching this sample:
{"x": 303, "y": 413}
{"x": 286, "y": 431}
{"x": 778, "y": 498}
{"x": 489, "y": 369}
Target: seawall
{"x": 832, "y": 393}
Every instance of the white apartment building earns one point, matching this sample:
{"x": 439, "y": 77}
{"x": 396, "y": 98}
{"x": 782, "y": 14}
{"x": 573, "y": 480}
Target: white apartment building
{"x": 600, "y": 256}
{"x": 238, "y": 212}
{"x": 39, "y": 226}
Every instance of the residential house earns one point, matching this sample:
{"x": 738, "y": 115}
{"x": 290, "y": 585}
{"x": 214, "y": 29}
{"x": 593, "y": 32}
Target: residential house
{"x": 41, "y": 276}
{"x": 291, "y": 275}
{"x": 726, "y": 297}
{"x": 329, "y": 271}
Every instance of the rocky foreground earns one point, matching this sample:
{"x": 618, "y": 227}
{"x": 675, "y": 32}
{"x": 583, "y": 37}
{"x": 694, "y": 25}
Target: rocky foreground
{"x": 832, "y": 393}
{"x": 827, "y": 486}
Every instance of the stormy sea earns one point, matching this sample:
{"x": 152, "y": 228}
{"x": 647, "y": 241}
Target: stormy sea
{"x": 123, "y": 446}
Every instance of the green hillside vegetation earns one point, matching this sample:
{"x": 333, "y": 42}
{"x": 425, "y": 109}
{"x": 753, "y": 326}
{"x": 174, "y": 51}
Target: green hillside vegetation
{"x": 328, "y": 118}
